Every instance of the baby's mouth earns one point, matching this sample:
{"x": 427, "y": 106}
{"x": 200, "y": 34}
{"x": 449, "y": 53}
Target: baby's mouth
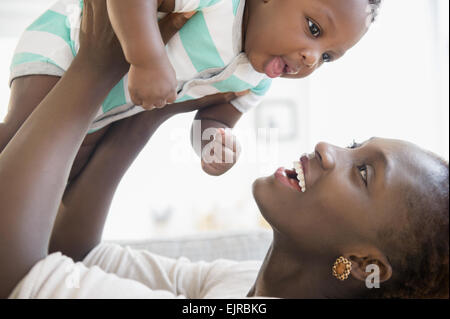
{"x": 278, "y": 67}
{"x": 275, "y": 67}
{"x": 290, "y": 71}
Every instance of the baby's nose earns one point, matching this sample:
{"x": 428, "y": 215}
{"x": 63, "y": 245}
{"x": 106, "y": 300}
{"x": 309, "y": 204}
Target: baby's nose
{"x": 311, "y": 58}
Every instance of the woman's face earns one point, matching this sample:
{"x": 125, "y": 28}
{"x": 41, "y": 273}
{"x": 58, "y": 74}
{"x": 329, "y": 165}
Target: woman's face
{"x": 351, "y": 194}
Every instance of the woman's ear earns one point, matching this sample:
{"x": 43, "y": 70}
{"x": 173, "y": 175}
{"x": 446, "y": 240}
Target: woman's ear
{"x": 370, "y": 263}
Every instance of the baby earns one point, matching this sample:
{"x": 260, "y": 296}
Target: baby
{"x": 227, "y": 46}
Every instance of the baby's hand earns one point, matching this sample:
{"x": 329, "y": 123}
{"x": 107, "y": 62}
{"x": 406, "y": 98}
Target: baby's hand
{"x": 221, "y": 154}
{"x": 152, "y": 86}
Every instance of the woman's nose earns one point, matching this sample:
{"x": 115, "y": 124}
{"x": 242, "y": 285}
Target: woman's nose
{"x": 326, "y": 155}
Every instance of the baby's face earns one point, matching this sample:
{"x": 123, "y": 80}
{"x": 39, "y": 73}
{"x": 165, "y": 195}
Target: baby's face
{"x": 292, "y": 38}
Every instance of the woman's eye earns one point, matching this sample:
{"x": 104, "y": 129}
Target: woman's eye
{"x": 326, "y": 58}
{"x": 314, "y": 29}
{"x": 363, "y": 171}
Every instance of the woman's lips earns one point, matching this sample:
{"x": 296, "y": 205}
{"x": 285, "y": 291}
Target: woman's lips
{"x": 281, "y": 176}
{"x": 275, "y": 68}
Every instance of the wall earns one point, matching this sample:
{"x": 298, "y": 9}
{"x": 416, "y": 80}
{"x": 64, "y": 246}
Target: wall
{"x": 394, "y": 83}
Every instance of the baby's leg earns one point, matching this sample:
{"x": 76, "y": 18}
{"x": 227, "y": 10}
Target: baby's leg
{"x": 26, "y": 94}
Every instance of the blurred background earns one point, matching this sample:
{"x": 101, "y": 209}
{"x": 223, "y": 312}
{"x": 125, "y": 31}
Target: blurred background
{"x": 394, "y": 84}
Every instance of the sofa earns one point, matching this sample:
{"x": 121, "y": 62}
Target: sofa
{"x": 237, "y": 245}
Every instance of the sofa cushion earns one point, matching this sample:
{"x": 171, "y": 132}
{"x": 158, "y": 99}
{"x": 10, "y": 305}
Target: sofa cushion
{"x": 239, "y": 246}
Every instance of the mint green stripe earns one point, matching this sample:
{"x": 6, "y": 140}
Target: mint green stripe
{"x": 207, "y": 3}
{"x": 94, "y": 130}
{"x": 26, "y": 57}
{"x": 262, "y": 87}
{"x": 199, "y": 45}
{"x": 54, "y": 23}
{"x": 232, "y": 84}
{"x": 235, "y": 6}
{"x": 115, "y": 98}
{"x": 184, "y": 99}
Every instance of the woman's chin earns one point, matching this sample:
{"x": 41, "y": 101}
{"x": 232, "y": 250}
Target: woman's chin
{"x": 279, "y": 205}
{"x": 270, "y": 205}
{"x": 261, "y": 190}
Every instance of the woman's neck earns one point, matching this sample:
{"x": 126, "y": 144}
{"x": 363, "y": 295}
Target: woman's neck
{"x": 287, "y": 273}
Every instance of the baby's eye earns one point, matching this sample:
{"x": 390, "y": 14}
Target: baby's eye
{"x": 314, "y": 29}
{"x": 363, "y": 172}
{"x": 326, "y": 58}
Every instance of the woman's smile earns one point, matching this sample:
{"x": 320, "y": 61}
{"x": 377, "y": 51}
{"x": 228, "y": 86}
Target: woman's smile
{"x": 296, "y": 178}
{"x": 288, "y": 178}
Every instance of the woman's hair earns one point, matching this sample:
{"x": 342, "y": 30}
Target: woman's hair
{"x": 374, "y": 8}
{"x": 419, "y": 252}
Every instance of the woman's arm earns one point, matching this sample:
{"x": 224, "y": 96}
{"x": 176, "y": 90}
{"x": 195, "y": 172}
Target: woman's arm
{"x": 75, "y": 233}
{"x": 84, "y": 209}
{"x": 35, "y": 165}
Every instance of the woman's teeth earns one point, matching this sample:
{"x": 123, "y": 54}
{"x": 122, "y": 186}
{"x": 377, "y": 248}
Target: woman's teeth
{"x": 300, "y": 175}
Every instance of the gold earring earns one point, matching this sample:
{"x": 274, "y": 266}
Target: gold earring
{"x": 342, "y": 268}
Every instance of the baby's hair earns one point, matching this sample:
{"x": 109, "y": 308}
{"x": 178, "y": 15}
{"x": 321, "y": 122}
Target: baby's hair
{"x": 374, "y": 6}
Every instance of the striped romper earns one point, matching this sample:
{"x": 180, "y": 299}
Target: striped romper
{"x": 206, "y": 55}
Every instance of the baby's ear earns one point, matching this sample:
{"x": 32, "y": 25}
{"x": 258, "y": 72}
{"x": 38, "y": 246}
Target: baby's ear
{"x": 370, "y": 263}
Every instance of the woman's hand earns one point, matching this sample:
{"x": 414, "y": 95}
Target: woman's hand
{"x": 99, "y": 46}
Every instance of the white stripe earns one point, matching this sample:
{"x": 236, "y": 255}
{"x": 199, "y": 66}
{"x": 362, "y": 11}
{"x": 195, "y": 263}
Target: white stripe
{"x": 125, "y": 89}
{"x": 202, "y": 90}
{"x": 180, "y": 60}
{"x": 247, "y": 73}
{"x": 48, "y": 45}
{"x": 64, "y": 7}
{"x": 113, "y": 118}
{"x": 220, "y": 23}
{"x": 186, "y": 5}
{"x": 245, "y": 103}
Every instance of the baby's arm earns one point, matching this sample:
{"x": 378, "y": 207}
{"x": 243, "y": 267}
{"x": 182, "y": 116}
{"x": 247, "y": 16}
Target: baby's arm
{"x": 152, "y": 79}
{"x": 214, "y": 124}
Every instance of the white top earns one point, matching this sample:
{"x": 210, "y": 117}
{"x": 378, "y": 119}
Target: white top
{"x": 112, "y": 271}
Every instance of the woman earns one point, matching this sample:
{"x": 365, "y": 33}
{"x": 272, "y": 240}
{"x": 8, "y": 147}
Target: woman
{"x": 384, "y": 203}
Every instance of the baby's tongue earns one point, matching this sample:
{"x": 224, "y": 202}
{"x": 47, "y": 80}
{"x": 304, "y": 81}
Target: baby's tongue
{"x": 275, "y": 67}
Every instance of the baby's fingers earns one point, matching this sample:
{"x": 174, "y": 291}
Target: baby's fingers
{"x": 135, "y": 98}
{"x": 172, "y": 98}
{"x": 227, "y": 156}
